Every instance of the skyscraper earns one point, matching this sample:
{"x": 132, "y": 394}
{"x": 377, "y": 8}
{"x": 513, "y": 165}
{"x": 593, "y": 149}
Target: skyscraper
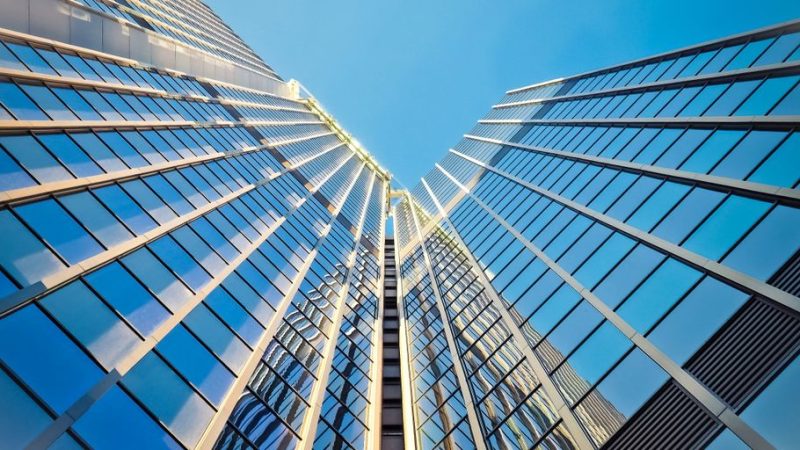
{"x": 611, "y": 260}
{"x": 195, "y": 254}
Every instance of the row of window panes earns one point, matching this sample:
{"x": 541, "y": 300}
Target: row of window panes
{"x": 19, "y": 56}
{"x": 27, "y": 101}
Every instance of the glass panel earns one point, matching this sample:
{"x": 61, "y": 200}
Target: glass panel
{"x": 48, "y": 102}
{"x": 725, "y": 226}
{"x": 54, "y": 367}
{"x": 35, "y": 158}
{"x": 60, "y": 230}
{"x": 780, "y": 168}
{"x": 696, "y": 319}
{"x": 116, "y": 422}
{"x": 129, "y": 297}
{"x": 28, "y": 419}
{"x": 774, "y": 412}
{"x": 157, "y": 278}
{"x": 771, "y": 243}
{"x": 18, "y": 103}
{"x": 70, "y": 154}
{"x": 169, "y": 398}
{"x": 108, "y": 339}
{"x": 126, "y": 209}
{"x": 94, "y": 216}
{"x": 23, "y": 256}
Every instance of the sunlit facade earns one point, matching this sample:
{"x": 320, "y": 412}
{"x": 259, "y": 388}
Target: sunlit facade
{"x": 194, "y": 254}
{"x": 610, "y": 260}
{"x": 190, "y": 249}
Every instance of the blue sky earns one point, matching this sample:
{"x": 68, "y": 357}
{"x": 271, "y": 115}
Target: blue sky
{"x": 408, "y": 78}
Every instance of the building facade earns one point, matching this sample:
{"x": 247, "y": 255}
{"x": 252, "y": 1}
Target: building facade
{"x": 610, "y": 260}
{"x": 194, "y": 254}
{"x": 190, "y": 249}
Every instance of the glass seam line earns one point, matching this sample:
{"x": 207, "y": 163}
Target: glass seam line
{"x": 734, "y": 277}
{"x": 702, "y": 394}
{"x": 74, "y": 412}
{"x": 458, "y": 367}
{"x": 758, "y": 190}
{"x": 566, "y": 414}
{"x": 312, "y": 415}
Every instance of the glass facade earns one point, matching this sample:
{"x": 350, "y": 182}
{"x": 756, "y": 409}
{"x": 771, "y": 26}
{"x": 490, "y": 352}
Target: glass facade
{"x": 185, "y": 261}
{"x": 194, "y": 254}
{"x": 610, "y": 260}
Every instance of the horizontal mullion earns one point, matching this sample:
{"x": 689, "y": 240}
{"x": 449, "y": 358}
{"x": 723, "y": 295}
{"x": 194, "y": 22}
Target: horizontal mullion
{"x": 708, "y": 121}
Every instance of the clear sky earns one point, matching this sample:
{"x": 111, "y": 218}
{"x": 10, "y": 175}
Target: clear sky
{"x": 408, "y": 78}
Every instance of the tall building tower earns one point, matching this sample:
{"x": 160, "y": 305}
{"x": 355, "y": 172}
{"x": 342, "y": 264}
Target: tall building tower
{"x": 610, "y": 260}
{"x": 190, "y": 249}
{"x": 194, "y": 254}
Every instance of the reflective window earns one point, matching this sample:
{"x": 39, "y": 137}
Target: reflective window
{"x": 725, "y": 226}
{"x": 158, "y": 279}
{"x": 28, "y": 152}
{"x": 72, "y": 156}
{"x": 54, "y": 367}
{"x": 27, "y": 421}
{"x": 769, "y": 245}
{"x": 60, "y": 230}
{"x": 24, "y": 257}
{"x": 94, "y": 216}
{"x": 83, "y": 314}
{"x": 18, "y": 103}
{"x": 161, "y": 390}
{"x": 774, "y": 412}
{"x": 115, "y": 421}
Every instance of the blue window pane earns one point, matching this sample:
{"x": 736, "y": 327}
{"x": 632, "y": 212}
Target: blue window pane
{"x": 606, "y": 257}
{"x": 771, "y": 243}
{"x": 149, "y": 201}
{"x": 780, "y": 49}
{"x": 106, "y": 337}
{"x": 732, "y": 98}
{"x": 60, "y": 230}
{"x": 35, "y": 349}
{"x": 48, "y": 102}
{"x": 100, "y": 105}
{"x": 632, "y": 382}
{"x": 94, "y": 216}
{"x": 35, "y": 158}
{"x": 696, "y": 319}
{"x": 116, "y": 422}
{"x": 98, "y": 152}
{"x": 28, "y": 419}
{"x": 725, "y": 226}
{"x": 23, "y": 256}
{"x": 157, "y": 278}
{"x": 569, "y": 333}
{"x": 727, "y": 441}
{"x": 712, "y": 150}
{"x": 122, "y": 148}
{"x": 169, "y": 251}
{"x": 129, "y": 297}
{"x": 8, "y": 60}
{"x": 199, "y": 366}
{"x": 144, "y": 147}
{"x": 124, "y": 207}
{"x": 627, "y": 275}
{"x": 774, "y": 413}
{"x": 595, "y": 356}
{"x": 80, "y": 65}
{"x": 211, "y": 331}
{"x": 28, "y": 55}
{"x": 689, "y": 212}
{"x": 12, "y": 176}
{"x": 6, "y": 285}
{"x": 657, "y": 294}
{"x": 70, "y": 154}
{"x": 790, "y": 105}
{"x": 655, "y": 207}
{"x": 169, "y": 398}
{"x": 748, "y": 54}
{"x": 234, "y": 315}
{"x": 748, "y": 154}
{"x": 554, "y": 309}
{"x": 780, "y": 168}
{"x": 169, "y": 194}
{"x": 58, "y": 63}
{"x": 18, "y": 103}
{"x": 682, "y": 148}
{"x": 766, "y": 96}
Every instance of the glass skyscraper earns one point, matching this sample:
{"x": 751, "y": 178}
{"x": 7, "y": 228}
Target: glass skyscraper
{"x": 195, "y": 254}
